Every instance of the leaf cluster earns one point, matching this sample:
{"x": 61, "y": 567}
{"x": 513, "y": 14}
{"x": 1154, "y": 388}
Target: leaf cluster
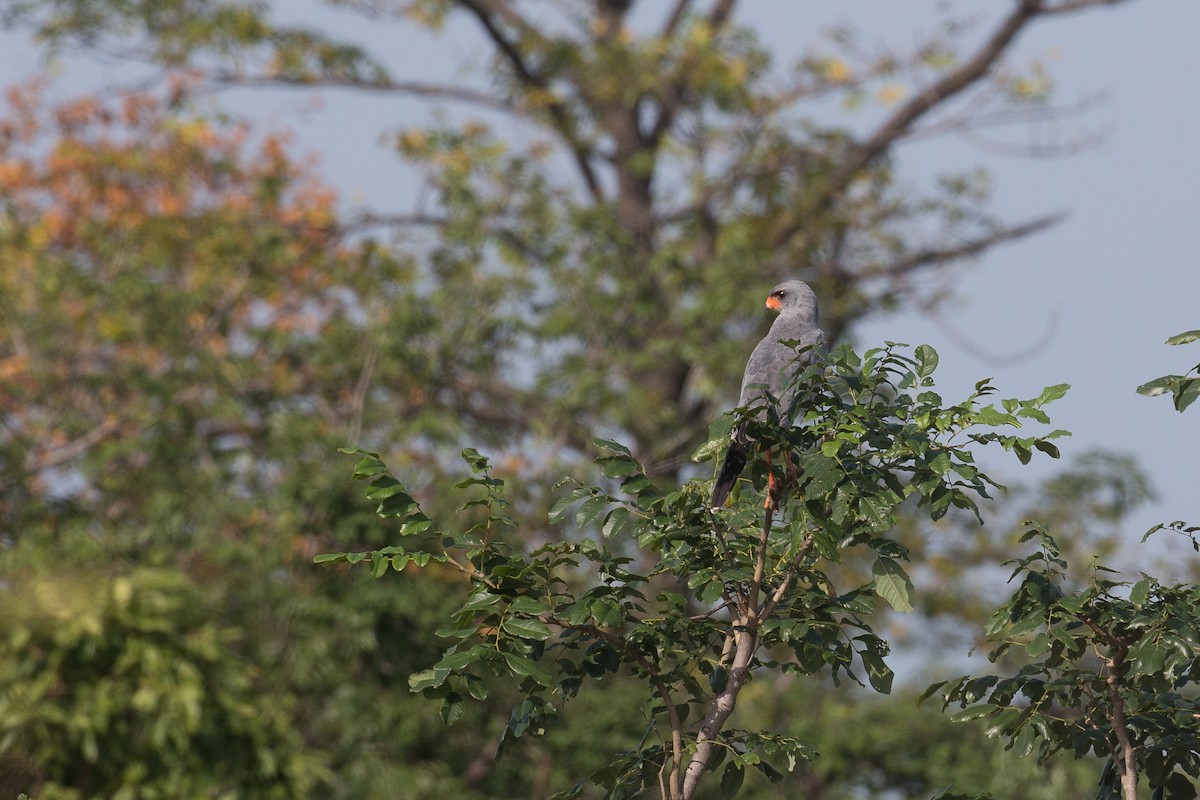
{"x": 1110, "y": 667}
{"x": 1184, "y": 388}
{"x": 691, "y": 601}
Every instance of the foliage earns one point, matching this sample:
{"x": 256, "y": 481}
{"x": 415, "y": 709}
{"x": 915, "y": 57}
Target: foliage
{"x": 1112, "y": 671}
{"x": 669, "y": 168}
{"x": 1112, "y": 668}
{"x": 128, "y": 687}
{"x": 193, "y": 323}
{"x": 874, "y": 436}
{"x": 1184, "y": 388}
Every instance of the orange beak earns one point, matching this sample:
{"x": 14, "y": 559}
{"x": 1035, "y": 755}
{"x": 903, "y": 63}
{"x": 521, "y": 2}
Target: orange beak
{"x": 773, "y": 303}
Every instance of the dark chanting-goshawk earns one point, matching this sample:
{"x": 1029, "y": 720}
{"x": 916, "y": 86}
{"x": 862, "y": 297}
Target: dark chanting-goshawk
{"x": 769, "y": 369}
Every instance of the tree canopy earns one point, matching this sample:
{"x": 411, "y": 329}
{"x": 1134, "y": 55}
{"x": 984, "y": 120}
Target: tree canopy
{"x": 195, "y": 322}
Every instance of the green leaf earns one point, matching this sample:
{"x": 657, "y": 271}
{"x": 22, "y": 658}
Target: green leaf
{"x": 618, "y": 466}
{"x": 1186, "y": 393}
{"x": 616, "y": 521}
{"x": 1157, "y": 386}
{"x": 528, "y": 605}
{"x": 475, "y": 461}
{"x": 893, "y": 584}
{"x": 427, "y": 679}
{"x": 989, "y": 415}
{"x": 731, "y": 780}
{"x": 527, "y": 628}
{"x": 927, "y": 360}
{"x": 455, "y": 661}
{"x": 1184, "y": 338}
{"x": 1047, "y": 448}
{"x": 558, "y": 510}
{"x": 930, "y": 690}
{"x": 452, "y": 708}
{"x": 529, "y": 668}
{"x": 1139, "y": 592}
{"x": 325, "y": 558}
{"x": 879, "y": 674}
{"x": 609, "y": 444}
{"x": 590, "y": 509}
{"x": 1051, "y": 393}
{"x": 972, "y": 713}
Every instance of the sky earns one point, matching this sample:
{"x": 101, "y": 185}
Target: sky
{"x": 1089, "y": 302}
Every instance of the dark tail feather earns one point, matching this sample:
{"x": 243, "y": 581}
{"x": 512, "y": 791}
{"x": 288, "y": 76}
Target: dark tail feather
{"x": 731, "y": 468}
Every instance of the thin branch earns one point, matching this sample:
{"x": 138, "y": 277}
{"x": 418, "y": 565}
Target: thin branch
{"x": 486, "y": 11}
{"x": 504, "y": 10}
{"x": 675, "y": 17}
{"x": 970, "y": 247}
{"x": 967, "y": 74}
{"x": 445, "y": 91}
{"x": 670, "y": 104}
{"x": 358, "y": 400}
{"x": 59, "y": 455}
{"x": 788, "y": 577}
{"x": 760, "y": 564}
{"x": 901, "y": 122}
{"x": 672, "y": 710}
{"x": 1070, "y": 6}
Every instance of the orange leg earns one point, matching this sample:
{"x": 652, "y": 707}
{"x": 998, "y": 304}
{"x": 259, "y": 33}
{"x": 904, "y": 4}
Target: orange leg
{"x": 772, "y": 499}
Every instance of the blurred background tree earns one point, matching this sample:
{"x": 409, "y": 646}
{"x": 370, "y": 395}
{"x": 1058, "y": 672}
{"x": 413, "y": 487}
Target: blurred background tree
{"x": 193, "y": 323}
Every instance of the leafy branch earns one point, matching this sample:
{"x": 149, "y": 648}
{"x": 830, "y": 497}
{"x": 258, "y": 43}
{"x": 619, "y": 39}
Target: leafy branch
{"x": 604, "y": 597}
{"x": 1112, "y": 671}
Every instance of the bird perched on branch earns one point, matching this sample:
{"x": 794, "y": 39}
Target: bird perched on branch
{"x": 770, "y": 366}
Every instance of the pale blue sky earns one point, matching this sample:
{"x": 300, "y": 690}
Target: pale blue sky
{"x": 1111, "y": 283}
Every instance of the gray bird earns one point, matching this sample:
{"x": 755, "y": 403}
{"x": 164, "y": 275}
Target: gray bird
{"x": 769, "y": 369}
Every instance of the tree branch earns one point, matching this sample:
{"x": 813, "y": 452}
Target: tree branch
{"x": 719, "y": 14}
{"x": 901, "y": 122}
{"x": 970, "y": 247}
{"x": 445, "y": 91}
{"x": 673, "y": 98}
{"x": 672, "y": 710}
{"x": 1127, "y": 761}
{"x": 486, "y": 11}
{"x": 675, "y": 17}
{"x": 950, "y": 84}
{"x": 745, "y": 641}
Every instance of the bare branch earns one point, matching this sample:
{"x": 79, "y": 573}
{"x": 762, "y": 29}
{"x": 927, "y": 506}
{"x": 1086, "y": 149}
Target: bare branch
{"x": 720, "y": 12}
{"x": 968, "y": 73}
{"x": 670, "y": 103}
{"x": 611, "y": 14}
{"x": 52, "y": 458}
{"x": 417, "y": 88}
{"x": 486, "y": 11}
{"x": 664, "y": 693}
{"x": 503, "y": 10}
{"x": 970, "y": 247}
{"x": 1069, "y": 6}
{"x": 676, "y": 16}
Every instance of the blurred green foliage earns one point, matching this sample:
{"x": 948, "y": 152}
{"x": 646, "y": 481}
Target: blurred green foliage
{"x": 191, "y": 324}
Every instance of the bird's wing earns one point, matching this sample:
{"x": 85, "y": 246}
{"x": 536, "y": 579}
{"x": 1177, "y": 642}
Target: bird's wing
{"x": 772, "y": 363}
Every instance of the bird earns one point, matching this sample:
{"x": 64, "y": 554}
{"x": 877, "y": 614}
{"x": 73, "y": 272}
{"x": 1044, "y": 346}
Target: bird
{"x": 769, "y": 369}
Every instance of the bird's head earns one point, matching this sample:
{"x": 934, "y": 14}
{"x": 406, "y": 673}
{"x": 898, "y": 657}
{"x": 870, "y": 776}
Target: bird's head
{"x": 793, "y": 296}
